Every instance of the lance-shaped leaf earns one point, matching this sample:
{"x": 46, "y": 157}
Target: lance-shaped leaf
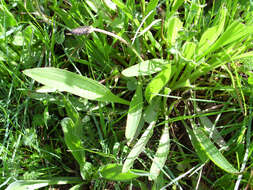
{"x": 212, "y": 152}
{"x": 212, "y": 131}
{"x": 145, "y": 68}
{"x": 158, "y": 83}
{"x": 113, "y": 172}
{"x": 36, "y": 184}
{"x": 72, "y": 137}
{"x": 138, "y": 147}
{"x": 212, "y": 34}
{"x": 63, "y": 80}
{"x": 134, "y": 114}
{"x": 173, "y": 26}
{"x": 161, "y": 154}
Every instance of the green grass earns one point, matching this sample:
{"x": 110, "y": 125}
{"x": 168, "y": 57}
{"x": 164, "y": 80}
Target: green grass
{"x": 158, "y": 94}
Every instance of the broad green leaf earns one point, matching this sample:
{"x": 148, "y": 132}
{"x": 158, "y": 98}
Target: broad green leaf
{"x": 134, "y": 114}
{"x": 36, "y": 184}
{"x": 173, "y": 26}
{"x": 158, "y": 83}
{"x": 250, "y": 79}
{"x": 72, "y": 137}
{"x": 189, "y": 49}
{"x": 212, "y": 34}
{"x": 151, "y": 6}
{"x": 196, "y": 144}
{"x": 63, "y": 80}
{"x": 161, "y": 154}
{"x": 212, "y": 131}
{"x": 113, "y": 172}
{"x": 86, "y": 170}
{"x": 6, "y": 17}
{"x": 145, "y": 68}
{"x": 152, "y": 111}
{"x": 138, "y": 147}
{"x": 212, "y": 152}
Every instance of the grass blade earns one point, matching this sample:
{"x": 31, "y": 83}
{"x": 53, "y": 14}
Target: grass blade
{"x": 73, "y": 83}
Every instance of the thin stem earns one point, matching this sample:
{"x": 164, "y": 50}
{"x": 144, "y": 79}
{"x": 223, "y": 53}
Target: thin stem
{"x": 89, "y": 29}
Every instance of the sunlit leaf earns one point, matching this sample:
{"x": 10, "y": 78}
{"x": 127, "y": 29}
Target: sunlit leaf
{"x": 138, "y": 147}
{"x": 152, "y": 111}
{"x": 161, "y": 154}
{"x": 212, "y": 131}
{"x": 173, "y": 26}
{"x": 158, "y": 83}
{"x": 189, "y": 49}
{"x": 145, "y": 68}
{"x": 151, "y": 6}
{"x": 63, "y": 80}
{"x": 212, "y": 152}
{"x": 36, "y": 184}
{"x": 212, "y": 34}
{"x": 134, "y": 114}
{"x": 113, "y": 172}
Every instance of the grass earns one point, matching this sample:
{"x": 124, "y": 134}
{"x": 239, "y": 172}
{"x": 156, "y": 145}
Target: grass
{"x": 156, "y": 94}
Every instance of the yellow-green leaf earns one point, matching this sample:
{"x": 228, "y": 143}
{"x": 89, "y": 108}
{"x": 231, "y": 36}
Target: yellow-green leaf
{"x": 64, "y": 80}
{"x": 134, "y": 114}
{"x": 212, "y": 152}
{"x": 158, "y": 83}
{"x": 145, "y": 68}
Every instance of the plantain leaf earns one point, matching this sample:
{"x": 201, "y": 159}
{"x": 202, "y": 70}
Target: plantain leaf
{"x": 114, "y": 172}
{"x": 161, "y": 154}
{"x": 138, "y": 147}
{"x": 63, "y": 80}
{"x": 189, "y": 49}
{"x": 145, "y": 68}
{"x": 212, "y": 152}
{"x": 212, "y": 131}
{"x": 134, "y": 114}
{"x": 152, "y": 111}
{"x": 173, "y": 26}
{"x": 158, "y": 83}
{"x": 73, "y": 139}
{"x": 36, "y": 184}
{"x": 195, "y": 143}
{"x": 212, "y": 34}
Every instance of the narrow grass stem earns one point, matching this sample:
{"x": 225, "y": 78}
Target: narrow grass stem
{"x": 89, "y": 29}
